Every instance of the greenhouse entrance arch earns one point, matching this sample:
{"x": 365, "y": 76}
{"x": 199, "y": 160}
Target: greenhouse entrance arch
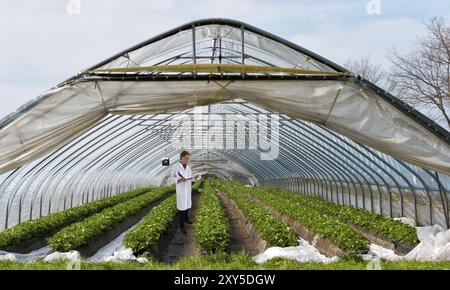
{"x": 308, "y": 124}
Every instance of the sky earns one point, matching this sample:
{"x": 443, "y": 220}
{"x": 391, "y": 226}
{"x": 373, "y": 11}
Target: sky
{"x": 46, "y": 41}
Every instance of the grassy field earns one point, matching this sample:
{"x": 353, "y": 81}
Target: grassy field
{"x": 228, "y": 262}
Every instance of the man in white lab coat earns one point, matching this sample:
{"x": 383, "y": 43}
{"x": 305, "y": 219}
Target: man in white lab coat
{"x": 182, "y": 176}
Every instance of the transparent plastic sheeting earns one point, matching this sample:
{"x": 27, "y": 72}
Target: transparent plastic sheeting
{"x": 177, "y": 49}
{"x": 124, "y": 152}
{"x": 343, "y": 107}
{"x": 105, "y": 130}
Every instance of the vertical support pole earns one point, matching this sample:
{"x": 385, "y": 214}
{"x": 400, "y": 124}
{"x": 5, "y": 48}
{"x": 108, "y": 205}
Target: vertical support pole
{"x": 40, "y": 205}
{"x": 444, "y": 201}
{"x": 194, "y": 46}
{"x": 6, "y": 218}
{"x": 20, "y": 210}
{"x": 220, "y": 50}
{"x": 49, "y": 205}
{"x": 391, "y": 209}
{"x": 322, "y": 191}
{"x": 314, "y": 188}
{"x": 243, "y": 45}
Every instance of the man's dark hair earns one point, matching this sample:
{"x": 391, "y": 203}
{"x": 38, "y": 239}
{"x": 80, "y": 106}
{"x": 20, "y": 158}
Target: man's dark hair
{"x": 184, "y": 154}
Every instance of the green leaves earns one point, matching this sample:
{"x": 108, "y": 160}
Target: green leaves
{"x": 275, "y": 232}
{"x": 390, "y": 229}
{"x": 338, "y": 233}
{"x": 212, "y": 231}
{"x": 147, "y": 234}
{"x": 81, "y": 234}
{"x": 44, "y": 226}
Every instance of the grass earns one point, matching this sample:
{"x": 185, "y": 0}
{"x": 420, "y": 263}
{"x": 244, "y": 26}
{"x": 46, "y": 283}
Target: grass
{"x": 222, "y": 261}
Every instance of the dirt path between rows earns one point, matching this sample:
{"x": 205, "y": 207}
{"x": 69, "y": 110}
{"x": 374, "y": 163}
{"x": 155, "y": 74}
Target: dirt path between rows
{"x": 325, "y": 246}
{"x": 241, "y": 239}
{"x": 182, "y": 245}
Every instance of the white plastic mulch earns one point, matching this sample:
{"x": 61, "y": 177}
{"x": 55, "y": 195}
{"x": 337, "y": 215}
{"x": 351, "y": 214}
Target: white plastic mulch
{"x": 434, "y": 246}
{"x": 111, "y": 248}
{"x": 38, "y": 254}
{"x": 303, "y": 253}
{"x": 119, "y": 256}
{"x": 377, "y": 252}
{"x": 70, "y": 256}
{"x": 124, "y": 255}
{"x": 8, "y": 257}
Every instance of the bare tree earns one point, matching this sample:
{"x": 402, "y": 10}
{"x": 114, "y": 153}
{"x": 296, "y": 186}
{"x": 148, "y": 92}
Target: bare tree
{"x": 422, "y": 77}
{"x": 367, "y": 70}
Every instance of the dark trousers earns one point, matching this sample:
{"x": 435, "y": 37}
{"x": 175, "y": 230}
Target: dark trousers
{"x": 183, "y": 217}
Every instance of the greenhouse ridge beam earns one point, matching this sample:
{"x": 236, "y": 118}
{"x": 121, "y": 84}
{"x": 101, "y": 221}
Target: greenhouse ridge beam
{"x": 221, "y": 21}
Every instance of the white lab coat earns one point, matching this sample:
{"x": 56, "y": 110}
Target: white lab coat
{"x": 184, "y": 189}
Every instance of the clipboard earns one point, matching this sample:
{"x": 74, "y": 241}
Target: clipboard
{"x": 180, "y": 175}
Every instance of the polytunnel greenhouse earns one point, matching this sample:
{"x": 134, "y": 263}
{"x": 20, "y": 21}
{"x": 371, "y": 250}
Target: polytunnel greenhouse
{"x": 251, "y": 108}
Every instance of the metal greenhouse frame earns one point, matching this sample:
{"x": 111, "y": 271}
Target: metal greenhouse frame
{"x": 106, "y": 130}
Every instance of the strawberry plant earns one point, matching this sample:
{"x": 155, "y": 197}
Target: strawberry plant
{"x": 197, "y": 185}
{"x": 81, "y": 234}
{"x": 44, "y": 226}
{"x": 390, "y": 229}
{"x": 267, "y": 225}
{"x": 212, "y": 230}
{"x": 336, "y": 232}
{"x": 152, "y": 228}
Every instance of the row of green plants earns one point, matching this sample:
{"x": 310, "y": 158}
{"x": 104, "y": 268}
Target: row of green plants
{"x": 327, "y": 227}
{"x": 272, "y": 230}
{"x": 47, "y": 225}
{"x": 153, "y": 227}
{"x": 197, "y": 185}
{"x": 145, "y": 236}
{"x": 83, "y": 233}
{"x": 212, "y": 230}
{"x": 390, "y": 229}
